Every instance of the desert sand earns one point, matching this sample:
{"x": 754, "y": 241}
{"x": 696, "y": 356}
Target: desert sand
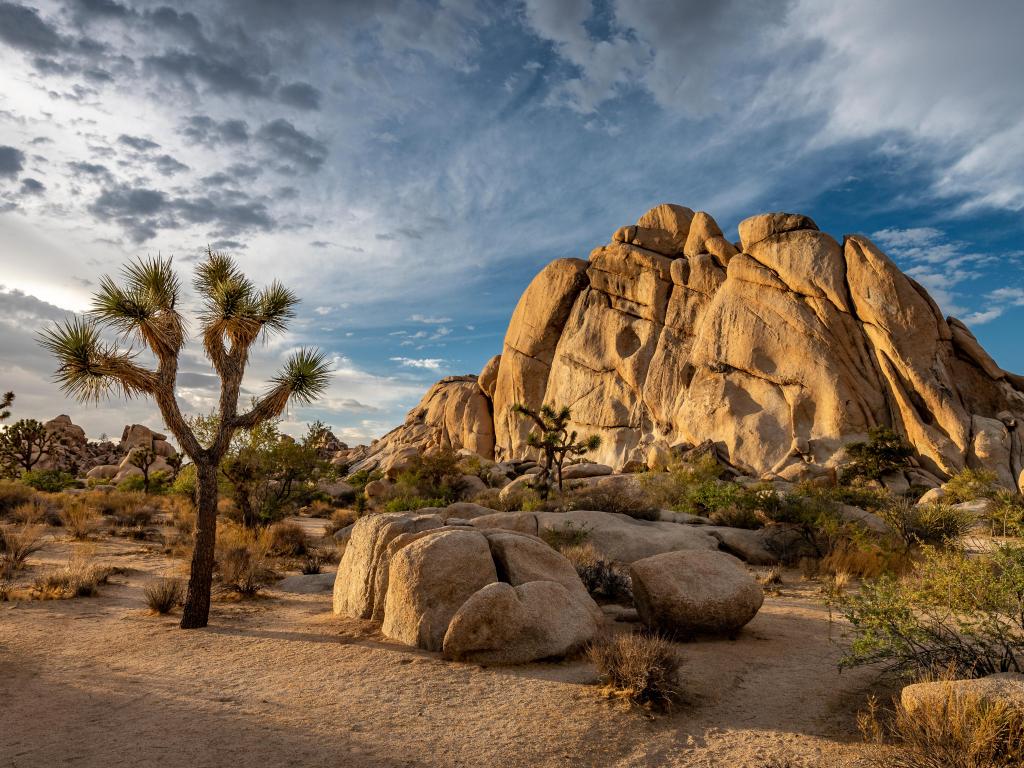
{"x": 282, "y": 681}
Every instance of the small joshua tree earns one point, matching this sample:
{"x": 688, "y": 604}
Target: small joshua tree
{"x": 23, "y": 444}
{"x": 555, "y": 442}
{"x": 5, "y": 405}
{"x": 234, "y": 315}
{"x": 143, "y": 457}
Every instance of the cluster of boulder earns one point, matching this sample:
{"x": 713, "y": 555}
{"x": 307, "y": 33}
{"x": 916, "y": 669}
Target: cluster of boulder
{"x": 481, "y": 586}
{"x": 779, "y": 349}
{"x": 105, "y": 460}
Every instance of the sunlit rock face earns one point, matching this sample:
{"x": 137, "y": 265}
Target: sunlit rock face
{"x": 780, "y": 348}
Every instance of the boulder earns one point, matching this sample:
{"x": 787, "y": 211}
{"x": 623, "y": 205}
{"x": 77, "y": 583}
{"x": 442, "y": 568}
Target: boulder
{"x": 694, "y": 592}
{"x": 471, "y": 486}
{"x": 429, "y": 580}
{"x": 586, "y": 469}
{"x": 1005, "y": 687}
{"x": 467, "y": 510}
{"x": 339, "y": 491}
{"x": 623, "y": 539}
{"x": 524, "y": 522}
{"x": 764, "y": 225}
{"x": 520, "y": 559}
{"x": 750, "y": 546}
{"x": 302, "y": 584}
{"x": 488, "y": 378}
{"x": 505, "y": 624}
{"x": 520, "y": 485}
{"x": 932, "y": 496}
{"x": 102, "y": 472}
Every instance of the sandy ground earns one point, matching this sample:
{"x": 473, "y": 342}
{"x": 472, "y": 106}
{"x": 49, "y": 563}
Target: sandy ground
{"x": 280, "y": 681}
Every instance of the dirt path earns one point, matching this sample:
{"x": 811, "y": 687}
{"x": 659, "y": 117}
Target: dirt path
{"x": 282, "y": 682}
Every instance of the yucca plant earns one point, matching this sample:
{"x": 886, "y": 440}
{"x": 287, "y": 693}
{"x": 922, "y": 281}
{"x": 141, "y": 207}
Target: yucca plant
{"x": 555, "y": 442}
{"x": 143, "y": 313}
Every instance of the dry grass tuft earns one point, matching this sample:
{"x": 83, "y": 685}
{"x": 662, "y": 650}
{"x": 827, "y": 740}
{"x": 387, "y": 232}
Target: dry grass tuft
{"x": 599, "y": 576}
{"x": 17, "y": 542}
{"x": 14, "y": 495}
{"x": 340, "y": 518}
{"x": 164, "y": 595}
{"x": 957, "y": 731}
{"x": 79, "y": 519}
{"x": 242, "y": 567}
{"x": 79, "y": 578}
{"x": 643, "y": 669}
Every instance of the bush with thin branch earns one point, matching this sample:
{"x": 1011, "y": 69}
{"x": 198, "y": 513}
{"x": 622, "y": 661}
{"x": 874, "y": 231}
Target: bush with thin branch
{"x": 164, "y": 595}
{"x": 971, "y": 484}
{"x": 954, "y": 613}
{"x": 641, "y": 668}
{"x": 602, "y": 578}
{"x": 143, "y": 312}
{"x": 956, "y": 730}
{"x": 938, "y": 525}
{"x": 242, "y": 566}
{"x": 555, "y": 441}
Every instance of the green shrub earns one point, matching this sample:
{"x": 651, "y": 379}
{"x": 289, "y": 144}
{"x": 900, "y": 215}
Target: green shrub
{"x": 678, "y": 487}
{"x": 737, "y": 516}
{"x": 184, "y": 484}
{"x": 431, "y": 476}
{"x": 159, "y": 483}
{"x": 411, "y": 503}
{"x": 815, "y": 518}
{"x": 970, "y": 484}
{"x": 49, "y": 480}
{"x": 643, "y": 669}
{"x": 883, "y": 452}
{"x": 568, "y": 535}
{"x": 954, "y": 613}
{"x": 938, "y": 525}
{"x": 1006, "y": 514}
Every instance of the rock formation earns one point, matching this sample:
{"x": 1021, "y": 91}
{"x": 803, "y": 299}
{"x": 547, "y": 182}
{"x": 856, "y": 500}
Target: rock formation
{"x": 780, "y": 348}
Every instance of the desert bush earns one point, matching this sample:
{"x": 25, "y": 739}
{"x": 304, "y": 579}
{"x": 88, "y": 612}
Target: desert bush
{"x": 682, "y": 484}
{"x": 48, "y": 480}
{"x": 286, "y": 539}
{"x": 568, "y": 535}
{"x": 159, "y": 483}
{"x": 434, "y": 477}
{"x": 164, "y": 595}
{"x": 340, "y": 518}
{"x": 862, "y": 557}
{"x": 642, "y": 668}
{"x": 883, "y": 452}
{"x": 970, "y": 484}
{"x": 312, "y": 564}
{"x": 36, "y": 511}
{"x": 80, "y": 520}
{"x": 184, "y": 483}
{"x": 939, "y": 525}
{"x": 183, "y": 514}
{"x": 117, "y": 504}
{"x": 956, "y": 731}
{"x": 241, "y": 560}
{"x": 79, "y": 578}
{"x": 17, "y": 542}
{"x": 815, "y": 518}
{"x": 737, "y": 516}
{"x": 954, "y": 613}
{"x": 612, "y": 498}
{"x": 405, "y": 503}
{"x": 1005, "y": 515}
{"x": 320, "y": 508}
{"x": 600, "y": 576}
{"x": 14, "y": 495}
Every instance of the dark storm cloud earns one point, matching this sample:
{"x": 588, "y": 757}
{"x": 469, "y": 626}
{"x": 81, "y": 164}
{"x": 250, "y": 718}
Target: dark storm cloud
{"x": 89, "y": 169}
{"x": 12, "y": 160}
{"x": 201, "y": 129}
{"x": 101, "y": 8}
{"x": 168, "y": 166}
{"x": 193, "y": 380}
{"x": 233, "y": 174}
{"x": 22, "y": 27}
{"x": 138, "y": 143}
{"x": 300, "y": 96}
{"x": 289, "y": 143}
{"x": 32, "y": 187}
{"x": 218, "y": 76}
{"x": 142, "y": 211}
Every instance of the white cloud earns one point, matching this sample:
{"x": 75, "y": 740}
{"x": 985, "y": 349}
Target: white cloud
{"x": 428, "y": 363}
{"x": 429, "y": 319}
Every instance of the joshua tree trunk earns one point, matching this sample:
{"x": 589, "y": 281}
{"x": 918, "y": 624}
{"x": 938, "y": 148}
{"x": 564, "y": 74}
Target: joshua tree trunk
{"x": 197, "y": 601}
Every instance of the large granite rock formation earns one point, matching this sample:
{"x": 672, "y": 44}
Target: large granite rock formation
{"x": 780, "y": 348}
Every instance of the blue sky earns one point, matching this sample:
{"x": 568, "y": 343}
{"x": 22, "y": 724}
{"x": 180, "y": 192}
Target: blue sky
{"x": 408, "y": 166}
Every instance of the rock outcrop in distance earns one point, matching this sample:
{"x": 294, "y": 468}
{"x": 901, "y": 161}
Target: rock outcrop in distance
{"x": 780, "y": 348}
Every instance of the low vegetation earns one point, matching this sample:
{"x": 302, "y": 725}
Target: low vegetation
{"x": 643, "y": 669}
{"x": 164, "y": 595}
{"x": 555, "y": 442}
{"x": 602, "y": 578}
{"x": 242, "y": 560}
{"x": 79, "y": 578}
{"x": 17, "y": 542}
{"x": 953, "y": 614}
{"x": 954, "y": 731}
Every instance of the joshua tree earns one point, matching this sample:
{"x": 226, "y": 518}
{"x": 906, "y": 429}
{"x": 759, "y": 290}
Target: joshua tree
{"x": 143, "y": 457}
{"x": 23, "y": 444}
{"x": 553, "y": 438}
{"x": 144, "y": 310}
{"x": 5, "y": 405}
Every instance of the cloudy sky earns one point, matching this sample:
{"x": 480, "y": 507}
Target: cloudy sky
{"x": 407, "y": 166}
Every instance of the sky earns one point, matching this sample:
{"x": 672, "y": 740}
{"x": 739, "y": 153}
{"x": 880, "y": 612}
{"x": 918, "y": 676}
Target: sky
{"x": 407, "y": 166}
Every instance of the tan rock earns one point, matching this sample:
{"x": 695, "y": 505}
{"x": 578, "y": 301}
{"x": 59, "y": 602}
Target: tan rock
{"x": 488, "y": 378}
{"x": 702, "y": 227}
{"x": 1002, "y": 687}
{"x": 428, "y": 582}
{"x": 502, "y": 624}
{"x": 764, "y": 225}
{"x": 694, "y": 592}
{"x": 670, "y": 218}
